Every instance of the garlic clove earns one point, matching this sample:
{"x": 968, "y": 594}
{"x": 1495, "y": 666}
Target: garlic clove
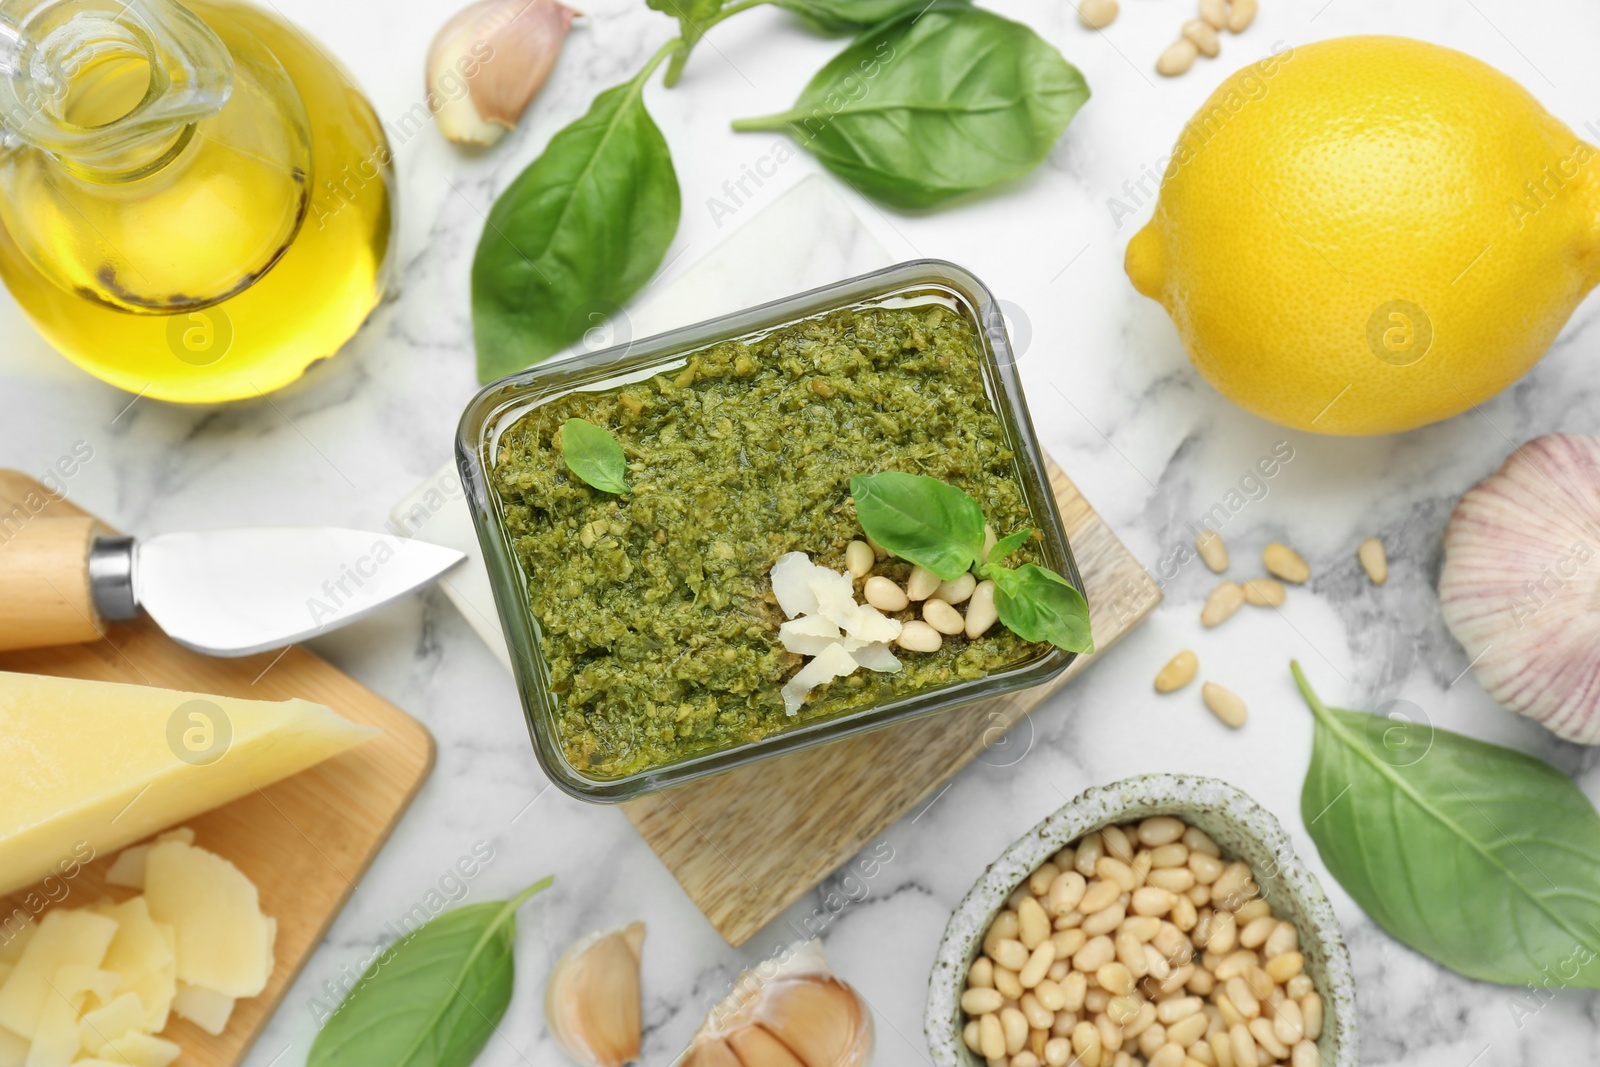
{"x": 795, "y": 1013}
{"x": 591, "y": 1002}
{"x": 1520, "y": 584}
{"x": 489, "y": 61}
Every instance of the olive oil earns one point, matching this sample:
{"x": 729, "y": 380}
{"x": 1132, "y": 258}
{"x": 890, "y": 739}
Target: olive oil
{"x": 198, "y": 257}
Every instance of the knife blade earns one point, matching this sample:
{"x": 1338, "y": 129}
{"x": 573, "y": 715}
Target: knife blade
{"x": 228, "y": 592}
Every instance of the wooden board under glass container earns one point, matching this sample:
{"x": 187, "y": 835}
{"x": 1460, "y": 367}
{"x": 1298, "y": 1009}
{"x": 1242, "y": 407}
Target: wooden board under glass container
{"x": 746, "y": 844}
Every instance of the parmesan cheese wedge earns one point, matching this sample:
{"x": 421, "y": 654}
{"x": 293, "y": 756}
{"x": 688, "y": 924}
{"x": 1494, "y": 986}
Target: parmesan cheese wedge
{"x": 224, "y": 943}
{"x": 102, "y": 764}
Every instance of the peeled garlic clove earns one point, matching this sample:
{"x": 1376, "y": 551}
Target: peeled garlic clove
{"x": 797, "y": 1014}
{"x": 591, "y": 1002}
{"x": 1520, "y": 585}
{"x": 488, "y": 62}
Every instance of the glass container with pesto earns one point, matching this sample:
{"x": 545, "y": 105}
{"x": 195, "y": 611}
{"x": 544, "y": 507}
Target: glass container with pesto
{"x": 657, "y": 617}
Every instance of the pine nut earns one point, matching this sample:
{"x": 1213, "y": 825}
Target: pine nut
{"x": 1186, "y": 1032}
{"x": 1311, "y": 1008}
{"x": 1033, "y": 925}
{"x": 1207, "y": 868}
{"x": 1178, "y": 58}
{"x": 1305, "y": 1055}
{"x": 1025, "y": 1058}
{"x": 981, "y": 1001}
{"x": 1243, "y": 999}
{"x": 981, "y": 612}
{"x": 1199, "y": 841}
{"x": 1284, "y": 938}
{"x": 1115, "y": 979}
{"x": 1168, "y": 1055}
{"x": 1010, "y": 954}
{"x": 1130, "y": 952}
{"x": 1288, "y": 1023}
{"x": 1241, "y": 13}
{"x": 1101, "y": 894}
{"x": 1116, "y": 843}
{"x": 954, "y": 592}
{"x": 1142, "y": 927}
{"x": 991, "y": 1038}
{"x": 942, "y": 617}
{"x": 1374, "y": 560}
{"x": 1105, "y": 920}
{"x": 1005, "y": 980}
{"x": 970, "y": 1037}
{"x": 1039, "y": 881}
{"x": 1261, "y": 1030}
{"x": 1097, "y": 14}
{"x": 1255, "y": 934}
{"x": 1255, "y": 908}
{"x": 1152, "y": 1039}
{"x": 1086, "y": 1042}
{"x": 1224, "y": 703}
{"x": 1240, "y": 1042}
{"x": 918, "y": 636}
{"x": 1141, "y": 865}
{"x": 1204, "y": 36}
{"x": 1090, "y": 849}
{"x": 1152, "y": 900}
{"x": 1160, "y": 830}
{"x": 1172, "y": 854}
{"x": 1057, "y": 1051}
{"x": 922, "y": 583}
{"x": 1184, "y": 915}
{"x": 1215, "y": 12}
{"x": 1233, "y": 965}
{"x": 1281, "y": 560}
{"x": 1265, "y": 593}
{"x": 1038, "y": 965}
{"x": 1076, "y": 987}
{"x": 1202, "y": 983}
{"x": 1015, "y": 1026}
{"x": 1208, "y": 543}
{"x": 1177, "y": 1009}
{"x": 1141, "y": 1022}
{"x": 1224, "y": 600}
{"x": 1221, "y": 1051}
{"x": 981, "y": 975}
{"x": 1173, "y": 879}
{"x": 1298, "y": 986}
{"x": 1094, "y": 955}
{"x": 1177, "y": 979}
{"x": 1179, "y": 672}
{"x": 1114, "y": 870}
{"x": 858, "y": 559}
{"x": 1065, "y": 892}
{"x": 884, "y": 595}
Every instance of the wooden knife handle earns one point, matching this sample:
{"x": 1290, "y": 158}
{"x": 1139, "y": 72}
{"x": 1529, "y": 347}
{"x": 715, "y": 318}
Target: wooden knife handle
{"x": 45, "y": 597}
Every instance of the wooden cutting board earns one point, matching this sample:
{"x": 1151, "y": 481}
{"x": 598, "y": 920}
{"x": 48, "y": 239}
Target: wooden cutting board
{"x": 746, "y": 844}
{"x": 305, "y": 841}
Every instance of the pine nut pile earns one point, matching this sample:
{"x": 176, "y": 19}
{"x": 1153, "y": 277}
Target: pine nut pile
{"x": 1140, "y": 944}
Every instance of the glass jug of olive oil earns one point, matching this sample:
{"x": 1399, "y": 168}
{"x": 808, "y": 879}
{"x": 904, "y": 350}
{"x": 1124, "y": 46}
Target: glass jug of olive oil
{"x": 195, "y": 201}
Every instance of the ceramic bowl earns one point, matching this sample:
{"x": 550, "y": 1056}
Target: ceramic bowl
{"x": 1242, "y": 828}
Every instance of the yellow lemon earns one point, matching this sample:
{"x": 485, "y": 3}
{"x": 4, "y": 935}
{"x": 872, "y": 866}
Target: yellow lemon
{"x": 1370, "y": 234}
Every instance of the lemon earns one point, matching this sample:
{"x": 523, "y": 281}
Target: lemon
{"x": 1370, "y": 234}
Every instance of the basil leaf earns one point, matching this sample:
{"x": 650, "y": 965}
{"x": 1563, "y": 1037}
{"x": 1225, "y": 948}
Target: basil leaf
{"x": 575, "y": 235}
{"x": 920, "y": 519}
{"x": 594, "y": 456}
{"x": 1477, "y": 856}
{"x": 1007, "y": 545}
{"x": 694, "y": 18}
{"x": 1039, "y": 605}
{"x": 850, "y": 16}
{"x": 932, "y": 107}
{"x": 431, "y": 999}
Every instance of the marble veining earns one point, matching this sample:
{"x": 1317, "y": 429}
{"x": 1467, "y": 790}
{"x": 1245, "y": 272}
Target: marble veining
{"x": 1150, "y": 444}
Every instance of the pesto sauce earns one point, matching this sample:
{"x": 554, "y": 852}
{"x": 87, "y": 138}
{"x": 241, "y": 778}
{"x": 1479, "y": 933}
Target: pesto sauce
{"x": 659, "y": 624}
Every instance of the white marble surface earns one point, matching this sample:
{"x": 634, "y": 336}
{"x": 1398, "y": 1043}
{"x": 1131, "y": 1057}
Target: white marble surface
{"x": 1151, "y": 445}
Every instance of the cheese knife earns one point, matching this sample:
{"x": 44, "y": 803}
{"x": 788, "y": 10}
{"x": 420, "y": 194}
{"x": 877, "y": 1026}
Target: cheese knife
{"x": 232, "y": 592}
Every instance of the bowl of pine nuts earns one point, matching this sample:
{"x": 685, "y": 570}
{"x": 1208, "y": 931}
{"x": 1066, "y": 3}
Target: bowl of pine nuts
{"x": 1160, "y": 921}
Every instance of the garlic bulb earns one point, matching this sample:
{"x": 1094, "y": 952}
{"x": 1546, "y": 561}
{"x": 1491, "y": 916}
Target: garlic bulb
{"x": 591, "y": 1002}
{"x": 1520, "y": 587}
{"x": 794, "y": 1011}
{"x": 488, "y": 62}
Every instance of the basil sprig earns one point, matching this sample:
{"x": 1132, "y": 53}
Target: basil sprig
{"x": 935, "y": 100}
{"x": 594, "y": 456}
{"x": 935, "y": 525}
{"x": 432, "y": 999}
{"x": 1477, "y": 856}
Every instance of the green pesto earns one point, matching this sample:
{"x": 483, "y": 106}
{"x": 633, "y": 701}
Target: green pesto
{"x": 658, "y": 621}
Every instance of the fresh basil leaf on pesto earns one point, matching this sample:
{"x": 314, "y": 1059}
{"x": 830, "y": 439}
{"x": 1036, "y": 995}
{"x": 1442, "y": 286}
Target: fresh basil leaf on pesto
{"x": 1008, "y": 544}
{"x": 594, "y": 456}
{"x": 1039, "y": 605}
{"x": 920, "y": 519}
